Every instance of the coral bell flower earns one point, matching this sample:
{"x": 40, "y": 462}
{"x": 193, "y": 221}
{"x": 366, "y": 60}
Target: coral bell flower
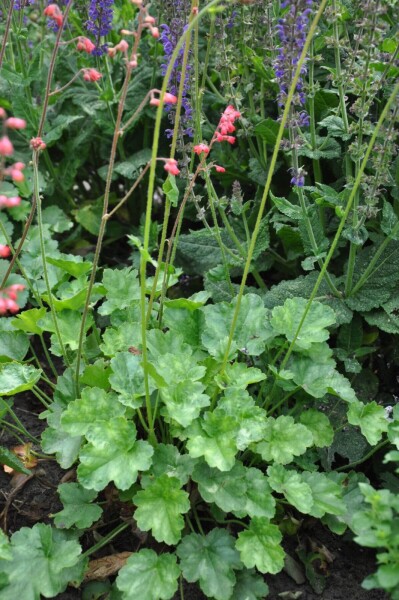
{"x": 37, "y": 144}
{"x": 91, "y": 75}
{"x": 85, "y": 45}
{"x": 171, "y": 166}
{"x": 201, "y": 149}
{"x": 3, "y": 113}
{"x": 53, "y": 12}
{"x": 220, "y": 169}
{"x": 12, "y": 201}
{"x": 6, "y": 147}
{"x": 15, "y": 123}
{"x": 17, "y": 175}
{"x": 4, "y": 251}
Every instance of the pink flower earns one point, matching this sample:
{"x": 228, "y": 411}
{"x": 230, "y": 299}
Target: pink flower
{"x": 168, "y": 99}
{"x": 4, "y": 251}
{"x": 11, "y": 305}
{"x": 226, "y": 125}
{"x": 17, "y": 175}
{"x": 3, "y": 113}
{"x": 19, "y": 166}
{"x": 12, "y": 201}
{"x": 85, "y": 45}
{"x": 6, "y": 147}
{"x": 37, "y": 144}
{"x": 53, "y": 12}
{"x": 171, "y": 166}
{"x": 149, "y": 19}
{"x": 15, "y": 123}
{"x": 154, "y": 32}
{"x": 91, "y": 75}
{"x": 220, "y": 169}
{"x": 201, "y": 148}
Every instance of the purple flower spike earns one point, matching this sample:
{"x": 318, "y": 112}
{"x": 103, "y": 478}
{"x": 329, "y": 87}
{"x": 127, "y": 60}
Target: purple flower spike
{"x": 99, "y": 22}
{"x": 291, "y": 31}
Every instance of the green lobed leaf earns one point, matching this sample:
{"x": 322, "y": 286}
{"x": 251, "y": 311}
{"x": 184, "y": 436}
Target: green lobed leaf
{"x": 14, "y": 345}
{"x": 226, "y": 489}
{"x": 113, "y": 454}
{"x": 258, "y": 499}
{"x": 371, "y": 419}
{"x": 319, "y": 424}
{"x": 286, "y": 319}
{"x": 52, "y": 562}
{"x": 28, "y": 320}
{"x": 122, "y": 289}
{"x": 128, "y": 378}
{"x": 78, "y": 509}
{"x": 167, "y": 460}
{"x": 148, "y": 575}
{"x": 95, "y": 404}
{"x": 249, "y": 586}
{"x": 55, "y": 440}
{"x": 260, "y": 546}
{"x": 327, "y": 495}
{"x": 250, "y": 419}
{"x": 211, "y": 561}
{"x": 184, "y": 401}
{"x": 160, "y": 508}
{"x": 213, "y": 437}
{"x": 252, "y": 330}
{"x": 16, "y": 378}
{"x": 239, "y": 375}
{"x": 290, "y": 483}
{"x": 283, "y": 439}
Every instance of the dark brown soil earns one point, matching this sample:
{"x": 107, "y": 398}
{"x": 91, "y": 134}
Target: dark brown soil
{"x": 37, "y": 500}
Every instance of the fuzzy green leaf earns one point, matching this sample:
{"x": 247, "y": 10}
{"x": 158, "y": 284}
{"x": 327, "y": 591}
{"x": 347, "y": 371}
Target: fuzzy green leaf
{"x": 167, "y": 460}
{"x": 148, "y": 575}
{"x": 226, "y": 489}
{"x": 160, "y": 508}
{"x": 211, "y": 561}
{"x": 260, "y": 546}
{"x": 55, "y": 440}
{"x": 94, "y": 405}
{"x": 250, "y": 419}
{"x": 283, "y": 439}
{"x": 252, "y": 328}
{"x": 371, "y": 419}
{"x": 27, "y": 320}
{"x": 43, "y": 562}
{"x": 289, "y": 483}
{"x": 285, "y": 321}
{"x": 184, "y": 401}
{"x": 113, "y": 454}
{"x": 327, "y": 495}
{"x": 16, "y": 378}
{"x": 14, "y": 345}
{"x": 249, "y": 586}
{"x": 213, "y": 438}
{"x": 78, "y": 509}
{"x": 122, "y": 289}
{"x": 320, "y": 426}
{"x": 258, "y": 499}
{"x": 128, "y": 378}
{"x": 239, "y": 375}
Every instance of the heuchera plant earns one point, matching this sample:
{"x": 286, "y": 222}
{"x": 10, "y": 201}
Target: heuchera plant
{"x": 222, "y": 384}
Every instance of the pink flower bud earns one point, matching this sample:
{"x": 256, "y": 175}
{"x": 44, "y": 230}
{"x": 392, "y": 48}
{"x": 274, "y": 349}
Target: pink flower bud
{"x": 4, "y": 251}
{"x": 3, "y": 200}
{"x": 149, "y": 19}
{"x": 19, "y": 166}
{"x": 12, "y": 295}
{"x": 12, "y": 201}
{"x": 15, "y": 123}
{"x": 154, "y": 32}
{"x": 169, "y": 98}
{"x": 17, "y": 287}
{"x": 201, "y": 148}
{"x": 3, "y": 113}
{"x": 17, "y": 175}
{"x": 91, "y": 75}
{"x": 220, "y": 169}
{"x": 123, "y": 46}
{"x": 37, "y": 144}
{"x": 6, "y": 147}
{"x": 171, "y": 166}
{"x": 53, "y": 12}
{"x": 155, "y": 102}
{"x": 85, "y": 45}
{"x": 3, "y": 308}
{"x": 11, "y": 306}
